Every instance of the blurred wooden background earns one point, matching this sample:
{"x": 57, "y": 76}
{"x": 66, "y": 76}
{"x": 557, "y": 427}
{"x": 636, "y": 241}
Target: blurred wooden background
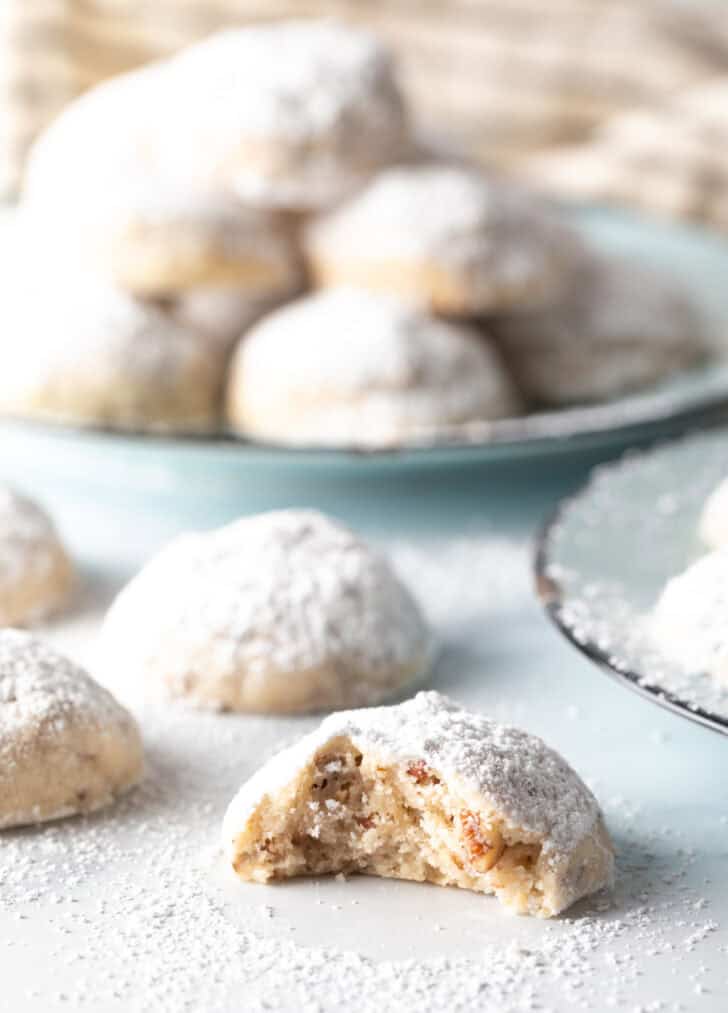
{"x": 507, "y": 77}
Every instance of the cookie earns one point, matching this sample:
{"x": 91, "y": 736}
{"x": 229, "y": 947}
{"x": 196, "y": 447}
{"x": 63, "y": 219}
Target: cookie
{"x": 688, "y": 623}
{"x": 448, "y": 237}
{"x": 424, "y": 791}
{"x": 66, "y": 745}
{"x": 36, "y": 575}
{"x": 77, "y": 351}
{"x": 345, "y": 367}
{"x": 283, "y": 612}
{"x": 290, "y": 115}
{"x": 95, "y": 190}
{"x": 619, "y": 328}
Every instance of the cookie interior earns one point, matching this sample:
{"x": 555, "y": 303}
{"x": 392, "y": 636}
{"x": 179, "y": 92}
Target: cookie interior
{"x": 347, "y": 812}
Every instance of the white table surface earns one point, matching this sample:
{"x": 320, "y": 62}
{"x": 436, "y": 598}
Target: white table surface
{"x": 133, "y": 909}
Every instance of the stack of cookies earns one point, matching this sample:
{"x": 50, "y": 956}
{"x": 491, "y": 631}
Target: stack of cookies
{"x": 169, "y": 213}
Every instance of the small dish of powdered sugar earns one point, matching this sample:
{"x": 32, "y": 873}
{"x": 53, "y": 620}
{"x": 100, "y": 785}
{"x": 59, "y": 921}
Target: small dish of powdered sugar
{"x": 624, "y": 571}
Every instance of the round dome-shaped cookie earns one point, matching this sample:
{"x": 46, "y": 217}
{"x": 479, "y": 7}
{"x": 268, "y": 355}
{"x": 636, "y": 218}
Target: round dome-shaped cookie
{"x": 80, "y": 352}
{"x": 689, "y": 624}
{"x": 94, "y": 190}
{"x": 66, "y": 745}
{"x": 618, "y": 327}
{"x": 446, "y": 236}
{"x": 713, "y": 524}
{"x": 36, "y": 575}
{"x": 283, "y": 612}
{"x": 345, "y": 367}
{"x": 424, "y": 791}
{"x": 295, "y": 114}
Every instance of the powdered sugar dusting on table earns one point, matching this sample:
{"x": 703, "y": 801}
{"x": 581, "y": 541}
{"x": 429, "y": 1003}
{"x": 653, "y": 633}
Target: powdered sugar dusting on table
{"x": 184, "y": 938}
{"x": 135, "y": 910}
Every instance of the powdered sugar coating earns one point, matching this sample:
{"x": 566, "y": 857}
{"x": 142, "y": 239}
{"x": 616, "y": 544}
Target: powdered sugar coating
{"x": 689, "y": 624}
{"x": 95, "y": 189}
{"x": 283, "y": 611}
{"x": 89, "y": 353}
{"x": 110, "y": 126}
{"x": 441, "y": 226}
{"x": 350, "y": 367}
{"x": 35, "y": 573}
{"x": 44, "y": 687}
{"x": 66, "y": 745}
{"x": 713, "y": 524}
{"x": 292, "y": 114}
{"x": 619, "y": 327}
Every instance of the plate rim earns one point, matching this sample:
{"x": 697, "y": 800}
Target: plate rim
{"x": 709, "y": 409}
{"x": 552, "y": 599}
